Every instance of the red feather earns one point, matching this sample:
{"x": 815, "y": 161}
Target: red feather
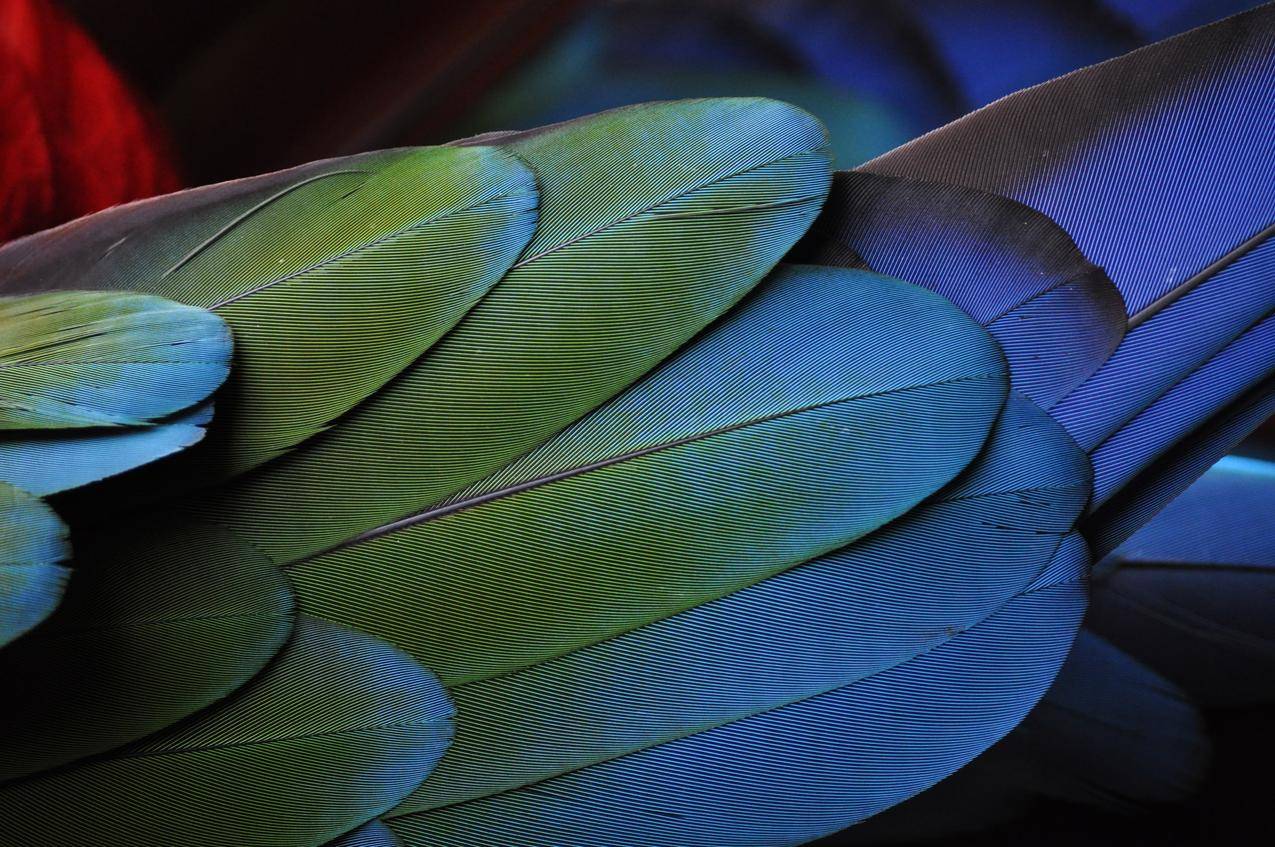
{"x": 73, "y": 139}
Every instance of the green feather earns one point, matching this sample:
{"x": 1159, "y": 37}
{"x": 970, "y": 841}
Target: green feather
{"x": 750, "y": 452}
{"x": 93, "y": 359}
{"x": 374, "y": 834}
{"x": 331, "y": 735}
{"x": 653, "y": 221}
{"x": 138, "y": 642}
{"x": 32, "y": 543}
{"x": 333, "y": 276}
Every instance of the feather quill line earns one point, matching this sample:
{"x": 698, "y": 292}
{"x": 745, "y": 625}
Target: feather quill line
{"x": 1188, "y": 285}
{"x": 460, "y": 505}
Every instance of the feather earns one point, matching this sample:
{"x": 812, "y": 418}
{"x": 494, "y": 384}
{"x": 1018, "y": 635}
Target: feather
{"x": 332, "y": 734}
{"x": 653, "y": 220}
{"x": 406, "y": 241}
{"x": 1026, "y": 43}
{"x": 374, "y": 834}
{"x": 789, "y": 774}
{"x": 1190, "y": 593}
{"x": 758, "y": 429}
{"x": 90, "y": 359}
{"x": 813, "y": 629}
{"x": 1056, "y": 316}
{"x": 1122, "y": 515}
{"x": 32, "y": 544}
{"x": 1110, "y": 733}
{"x": 1177, "y": 206}
{"x": 138, "y": 642}
{"x": 1225, "y": 379}
{"x": 47, "y": 463}
{"x": 73, "y": 137}
{"x": 1162, "y": 18}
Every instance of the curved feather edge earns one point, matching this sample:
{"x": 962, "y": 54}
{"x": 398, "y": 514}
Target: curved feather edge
{"x": 405, "y": 241}
{"x": 1177, "y": 206}
{"x": 792, "y": 412}
{"x": 1025, "y": 43}
{"x": 1156, "y": 19}
{"x": 329, "y": 736}
{"x": 791, "y": 774}
{"x": 654, "y": 220}
{"x": 1015, "y": 271}
{"x": 1191, "y": 592}
{"x": 1138, "y": 502}
{"x": 33, "y": 543}
{"x": 93, "y": 359}
{"x": 51, "y": 463}
{"x": 143, "y": 638}
{"x": 1223, "y": 380}
{"x": 894, "y": 594}
{"x": 373, "y": 834}
{"x": 1110, "y": 733}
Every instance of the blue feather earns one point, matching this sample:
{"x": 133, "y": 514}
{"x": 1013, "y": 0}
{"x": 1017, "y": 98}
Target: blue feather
{"x": 1191, "y": 592}
{"x": 33, "y": 542}
{"x": 1122, "y": 515}
{"x": 790, "y": 774}
{"x": 995, "y": 47}
{"x": 618, "y": 713}
{"x": 1110, "y": 733}
{"x": 1176, "y": 205}
{"x": 45, "y": 464}
{"x": 1056, "y": 316}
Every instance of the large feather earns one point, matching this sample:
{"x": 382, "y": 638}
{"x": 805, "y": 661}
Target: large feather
{"x": 333, "y": 733}
{"x": 653, "y": 221}
{"x": 816, "y": 628}
{"x": 786, "y": 775}
{"x": 1191, "y": 593}
{"x": 32, "y": 544}
{"x": 1177, "y": 205}
{"x": 1056, "y": 316}
{"x": 405, "y": 241}
{"x": 787, "y": 415}
{"x": 1110, "y": 733}
{"x": 139, "y": 642}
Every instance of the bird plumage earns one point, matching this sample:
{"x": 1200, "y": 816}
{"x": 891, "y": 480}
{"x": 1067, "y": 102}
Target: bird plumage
{"x": 701, "y": 549}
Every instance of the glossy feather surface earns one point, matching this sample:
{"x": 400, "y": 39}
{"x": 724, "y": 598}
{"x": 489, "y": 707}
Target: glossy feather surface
{"x": 653, "y": 221}
{"x": 405, "y": 241}
{"x": 89, "y": 359}
{"x": 33, "y": 543}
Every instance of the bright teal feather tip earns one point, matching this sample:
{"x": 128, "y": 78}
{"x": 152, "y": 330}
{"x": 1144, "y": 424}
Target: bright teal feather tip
{"x": 94, "y": 359}
{"x": 32, "y": 543}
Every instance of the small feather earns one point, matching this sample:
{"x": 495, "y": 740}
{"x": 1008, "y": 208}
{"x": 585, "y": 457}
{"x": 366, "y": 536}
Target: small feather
{"x": 1056, "y": 316}
{"x": 33, "y": 542}
{"x": 406, "y": 241}
{"x": 94, "y": 359}
{"x": 51, "y": 462}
